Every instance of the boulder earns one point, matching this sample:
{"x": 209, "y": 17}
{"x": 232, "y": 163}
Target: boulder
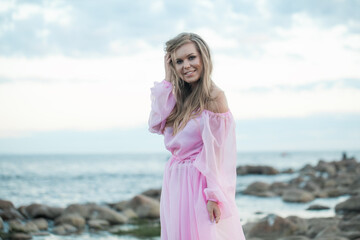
{"x": 278, "y": 187}
{"x": 108, "y": 214}
{"x": 317, "y": 207}
{"x": 262, "y": 170}
{"x": 98, "y": 224}
{"x": 300, "y": 224}
{"x": 41, "y": 223}
{"x": 20, "y": 236}
{"x": 129, "y": 213}
{"x": 153, "y": 193}
{"x": 297, "y": 195}
{"x": 144, "y": 207}
{"x": 17, "y": 226}
{"x": 350, "y": 205}
{"x": 316, "y": 225}
{"x": 64, "y": 229}
{"x": 260, "y": 189}
{"x": 73, "y": 219}
{"x": 83, "y": 210}
{"x": 272, "y": 227}
{"x": 8, "y": 211}
{"x": 119, "y": 206}
{"x": 41, "y": 211}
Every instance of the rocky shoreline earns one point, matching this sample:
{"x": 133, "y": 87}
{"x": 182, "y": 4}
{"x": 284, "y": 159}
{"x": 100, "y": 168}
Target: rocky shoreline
{"x": 139, "y": 216}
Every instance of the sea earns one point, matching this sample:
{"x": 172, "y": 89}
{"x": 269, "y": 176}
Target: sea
{"x": 63, "y": 179}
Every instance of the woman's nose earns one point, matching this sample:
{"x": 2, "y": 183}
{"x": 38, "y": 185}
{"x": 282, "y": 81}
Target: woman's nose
{"x": 186, "y": 64}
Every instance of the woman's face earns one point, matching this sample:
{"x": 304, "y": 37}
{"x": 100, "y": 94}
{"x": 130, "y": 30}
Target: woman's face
{"x": 188, "y": 63}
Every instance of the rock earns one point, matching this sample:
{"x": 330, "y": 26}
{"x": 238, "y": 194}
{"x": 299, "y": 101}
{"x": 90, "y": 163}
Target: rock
{"x": 64, "y": 229}
{"x": 263, "y": 170}
{"x": 311, "y": 186}
{"x": 4, "y": 204}
{"x": 297, "y": 195}
{"x": 278, "y": 187}
{"x": 300, "y": 224}
{"x": 317, "y": 225}
{"x": 327, "y": 232}
{"x": 350, "y": 225}
{"x": 17, "y": 226}
{"x": 106, "y": 213}
{"x": 289, "y": 170}
{"x": 120, "y": 206}
{"x": 1, "y": 224}
{"x": 144, "y": 207}
{"x": 350, "y": 205}
{"x": 41, "y": 211}
{"x": 317, "y": 207}
{"x": 259, "y": 189}
{"x": 326, "y": 167}
{"x": 129, "y": 213}
{"x": 153, "y": 193}
{"x": 41, "y": 223}
{"x": 295, "y": 238}
{"x": 98, "y": 224}
{"x": 20, "y": 236}
{"x": 8, "y": 211}
{"x": 83, "y": 210}
{"x": 272, "y": 227}
{"x": 73, "y": 219}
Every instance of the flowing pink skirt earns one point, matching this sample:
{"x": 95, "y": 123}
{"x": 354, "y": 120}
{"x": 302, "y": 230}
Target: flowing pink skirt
{"x": 183, "y": 212}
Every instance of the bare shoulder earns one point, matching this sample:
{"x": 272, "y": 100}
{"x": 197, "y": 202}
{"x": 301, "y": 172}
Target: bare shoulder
{"x": 219, "y": 103}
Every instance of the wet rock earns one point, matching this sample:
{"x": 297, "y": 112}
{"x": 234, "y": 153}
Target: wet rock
{"x": 17, "y": 226}
{"x": 316, "y": 225}
{"x": 129, "y": 213}
{"x": 350, "y": 205}
{"x": 98, "y": 224}
{"x": 295, "y": 238}
{"x": 144, "y": 207}
{"x": 84, "y": 210}
{"x": 108, "y": 214}
{"x": 73, "y": 219}
{"x": 64, "y": 229}
{"x": 328, "y": 232}
{"x": 300, "y": 224}
{"x": 20, "y": 236}
{"x": 8, "y": 211}
{"x": 297, "y": 195}
{"x": 41, "y": 223}
{"x": 41, "y": 211}
{"x": 260, "y": 189}
{"x": 153, "y": 193}
{"x": 272, "y": 227}
{"x": 119, "y": 206}
{"x": 317, "y": 207}
{"x": 278, "y": 187}
{"x": 262, "y": 170}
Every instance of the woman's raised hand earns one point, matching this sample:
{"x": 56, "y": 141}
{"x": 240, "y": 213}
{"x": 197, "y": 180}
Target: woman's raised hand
{"x": 214, "y": 211}
{"x": 167, "y": 62}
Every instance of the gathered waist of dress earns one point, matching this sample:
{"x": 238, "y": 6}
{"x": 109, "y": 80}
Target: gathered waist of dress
{"x": 183, "y": 159}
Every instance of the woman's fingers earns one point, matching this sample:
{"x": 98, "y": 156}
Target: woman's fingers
{"x": 217, "y": 214}
{"x": 214, "y": 211}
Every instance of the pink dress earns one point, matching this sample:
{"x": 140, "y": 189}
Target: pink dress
{"x": 202, "y": 167}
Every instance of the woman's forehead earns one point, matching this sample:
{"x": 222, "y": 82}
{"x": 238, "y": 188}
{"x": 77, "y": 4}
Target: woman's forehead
{"x": 185, "y": 50}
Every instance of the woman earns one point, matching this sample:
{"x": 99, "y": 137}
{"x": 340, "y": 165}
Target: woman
{"x": 198, "y": 192}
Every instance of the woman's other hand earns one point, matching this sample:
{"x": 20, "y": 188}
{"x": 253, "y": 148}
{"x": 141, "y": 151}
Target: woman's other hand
{"x": 214, "y": 211}
{"x": 167, "y": 62}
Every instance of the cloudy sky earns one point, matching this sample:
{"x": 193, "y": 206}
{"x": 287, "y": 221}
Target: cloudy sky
{"x": 75, "y": 75}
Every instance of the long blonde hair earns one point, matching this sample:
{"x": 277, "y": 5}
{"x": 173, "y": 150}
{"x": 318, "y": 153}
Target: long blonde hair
{"x": 189, "y": 101}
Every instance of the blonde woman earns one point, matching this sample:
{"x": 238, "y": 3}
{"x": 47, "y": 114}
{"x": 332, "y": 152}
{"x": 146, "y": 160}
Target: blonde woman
{"x": 198, "y": 191}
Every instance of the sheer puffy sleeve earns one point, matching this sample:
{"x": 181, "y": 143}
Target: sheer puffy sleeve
{"x": 162, "y": 103}
{"x": 217, "y": 160}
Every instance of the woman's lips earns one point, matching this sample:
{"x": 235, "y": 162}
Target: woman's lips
{"x": 189, "y": 74}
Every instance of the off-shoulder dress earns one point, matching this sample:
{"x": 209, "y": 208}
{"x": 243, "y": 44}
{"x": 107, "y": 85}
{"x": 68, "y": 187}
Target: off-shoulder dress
{"x": 202, "y": 167}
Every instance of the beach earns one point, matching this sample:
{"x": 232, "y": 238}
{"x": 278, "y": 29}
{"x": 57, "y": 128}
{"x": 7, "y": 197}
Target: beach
{"x": 117, "y": 196}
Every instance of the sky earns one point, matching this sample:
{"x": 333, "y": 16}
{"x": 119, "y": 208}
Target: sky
{"x": 75, "y": 76}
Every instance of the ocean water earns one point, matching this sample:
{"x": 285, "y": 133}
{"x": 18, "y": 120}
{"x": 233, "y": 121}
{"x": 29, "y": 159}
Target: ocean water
{"x": 63, "y": 179}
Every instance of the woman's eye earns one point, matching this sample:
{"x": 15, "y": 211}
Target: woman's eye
{"x": 191, "y": 57}
{"x": 178, "y": 61}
